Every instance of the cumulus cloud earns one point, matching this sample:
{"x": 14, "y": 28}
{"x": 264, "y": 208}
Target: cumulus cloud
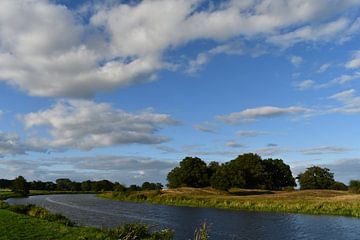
{"x": 323, "y": 32}
{"x": 85, "y": 125}
{"x": 11, "y": 144}
{"x": 124, "y": 44}
{"x": 251, "y": 114}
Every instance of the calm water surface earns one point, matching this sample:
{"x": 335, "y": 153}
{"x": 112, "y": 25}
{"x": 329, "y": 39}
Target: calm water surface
{"x": 87, "y": 209}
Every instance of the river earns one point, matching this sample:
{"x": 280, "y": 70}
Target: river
{"x": 87, "y": 209}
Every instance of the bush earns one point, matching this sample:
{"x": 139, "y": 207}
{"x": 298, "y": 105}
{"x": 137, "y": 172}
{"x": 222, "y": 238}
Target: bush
{"x": 354, "y": 186}
{"x": 339, "y": 186}
{"x": 39, "y": 212}
{"x": 135, "y": 231}
{"x": 3, "y": 205}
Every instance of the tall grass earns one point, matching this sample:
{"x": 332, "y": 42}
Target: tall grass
{"x": 309, "y": 202}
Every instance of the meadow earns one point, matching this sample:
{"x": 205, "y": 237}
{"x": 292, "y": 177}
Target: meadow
{"x": 328, "y": 202}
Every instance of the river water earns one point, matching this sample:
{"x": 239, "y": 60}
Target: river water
{"x": 87, "y": 209}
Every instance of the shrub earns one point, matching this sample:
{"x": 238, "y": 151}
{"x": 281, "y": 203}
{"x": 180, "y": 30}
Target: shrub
{"x": 339, "y": 186}
{"x": 354, "y": 186}
{"x": 201, "y": 233}
{"x": 130, "y": 231}
{"x": 135, "y": 231}
{"x": 3, "y": 205}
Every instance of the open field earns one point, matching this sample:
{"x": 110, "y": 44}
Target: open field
{"x": 328, "y": 202}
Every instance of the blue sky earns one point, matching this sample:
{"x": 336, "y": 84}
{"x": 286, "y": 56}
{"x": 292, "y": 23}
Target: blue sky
{"x": 124, "y": 90}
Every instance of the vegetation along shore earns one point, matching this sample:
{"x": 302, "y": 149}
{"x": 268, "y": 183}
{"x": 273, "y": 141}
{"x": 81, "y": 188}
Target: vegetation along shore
{"x": 249, "y": 182}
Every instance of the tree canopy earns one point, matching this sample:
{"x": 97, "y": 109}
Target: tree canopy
{"x": 20, "y": 186}
{"x": 192, "y": 172}
{"x": 246, "y": 171}
{"x": 316, "y": 178}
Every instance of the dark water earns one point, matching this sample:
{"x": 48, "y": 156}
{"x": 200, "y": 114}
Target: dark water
{"x": 89, "y": 210}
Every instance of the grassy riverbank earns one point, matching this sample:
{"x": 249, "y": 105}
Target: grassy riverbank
{"x": 328, "y": 202}
{"x": 28, "y": 222}
{"x": 18, "y": 226}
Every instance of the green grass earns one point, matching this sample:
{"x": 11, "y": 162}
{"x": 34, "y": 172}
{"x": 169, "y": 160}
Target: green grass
{"x": 16, "y": 226}
{"x": 36, "y": 223}
{"x": 328, "y": 202}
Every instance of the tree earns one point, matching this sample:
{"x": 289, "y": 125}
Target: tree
{"x": 20, "y": 186}
{"x": 151, "y": 186}
{"x": 278, "y": 174}
{"x": 192, "y": 172}
{"x": 247, "y": 171}
{"x": 220, "y": 179}
{"x": 316, "y": 178}
{"x": 354, "y": 186}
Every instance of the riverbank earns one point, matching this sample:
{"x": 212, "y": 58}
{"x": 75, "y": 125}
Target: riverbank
{"x": 327, "y": 202}
{"x": 32, "y": 223}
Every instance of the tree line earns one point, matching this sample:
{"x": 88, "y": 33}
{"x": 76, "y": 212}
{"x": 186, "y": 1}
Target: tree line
{"x": 20, "y": 186}
{"x": 247, "y": 171}
{"x": 250, "y": 171}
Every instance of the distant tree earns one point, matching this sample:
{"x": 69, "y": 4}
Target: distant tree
{"x": 20, "y": 186}
{"x": 151, "y": 186}
{"x": 278, "y": 174}
{"x": 65, "y": 184}
{"x": 5, "y": 183}
{"x": 133, "y": 187}
{"x": 39, "y": 185}
{"x": 316, "y": 178}
{"x": 212, "y": 168}
{"x": 192, "y": 172}
{"x": 221, "y": 179}
{"x": 86, "y": 186}
{"x": 119, "y": 187}
{"x": 354, "y": 186}
{"x": 339, "y": 186}
{"x": 102, "y": 185}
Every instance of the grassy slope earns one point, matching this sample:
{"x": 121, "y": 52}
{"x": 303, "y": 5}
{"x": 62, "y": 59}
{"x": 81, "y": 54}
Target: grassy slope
{"x": 15, "y": 226}
{"x": 307, "y": 201}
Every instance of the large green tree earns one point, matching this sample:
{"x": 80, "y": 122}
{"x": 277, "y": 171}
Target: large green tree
{"x": 192, "y": 172}
{"x": 278, "y": 174}
{"x": 316, "y": 178}
{"x": 20, "y": 186}
{"x": 247, "y": 171}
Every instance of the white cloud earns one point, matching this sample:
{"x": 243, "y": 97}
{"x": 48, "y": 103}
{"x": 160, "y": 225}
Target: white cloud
{"x": 323, "y": 67}
{"x": 324, "y": 32}
{"x": 306, "y": 84}
{"x": 252, "y": 133}
{"x": 349, "y": 100}
{"x": 324, "y": 150}
{"x": 234, "y": 144}
{"x": 251, "y": 114}
{"x": 354, "y": 62}
{"x": 296, "y": 60}
{"x": 46, "y": 50}
{"x": 11, "y": 144}
{"x": 124, "y": 169}
{"x": 310, "y": 84}
{"x": 86, "y": 125}
{"x": 205, "y": 127}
